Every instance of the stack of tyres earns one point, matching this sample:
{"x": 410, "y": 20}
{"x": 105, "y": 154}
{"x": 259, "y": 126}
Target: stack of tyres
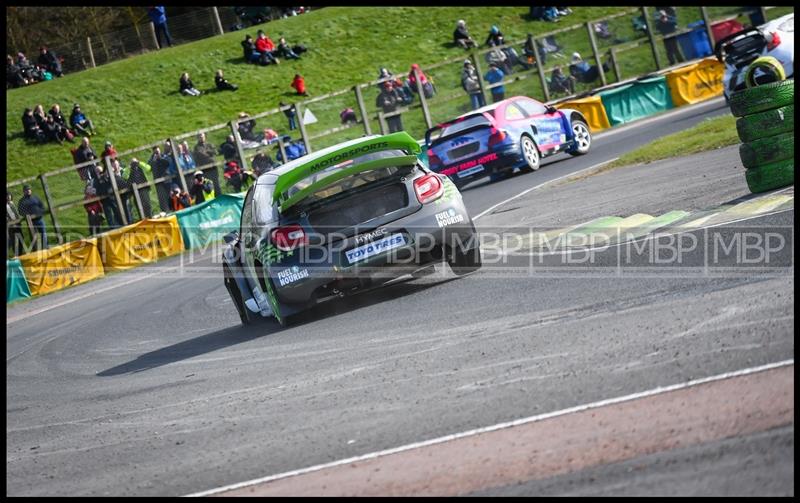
{"x": 766, "y": 129}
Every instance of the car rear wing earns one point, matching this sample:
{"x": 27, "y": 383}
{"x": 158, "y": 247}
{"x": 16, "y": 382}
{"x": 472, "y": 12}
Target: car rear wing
{"x": 394, "y": 141}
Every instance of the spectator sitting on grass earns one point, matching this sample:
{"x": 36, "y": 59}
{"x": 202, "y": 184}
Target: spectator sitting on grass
{"x": 14, "y": 77}
{"x": 499, "y": 58}
{"x": 461, "y": 36}
{"x": 29, "y": 71}
{"x": 247, "y": 128}
{"x": 222, "y": 83}
{"x": 31, "y": 127}
{"x": 187, "y": 87}
{"x": 251, "y": 54}
{"x": 583, "y": 71}
{"x": 299, "y": 85}
{"x": 285, "y": 51}
{"x": 53, "y": 131}
{"x": 58, "y": 117}
{"x": 560, "y": 83}
{"x": 49, "y": 61}
{"x": 80, "y": 123}
{"x": 495, "y": 37}
{"x": 265, "y": 46}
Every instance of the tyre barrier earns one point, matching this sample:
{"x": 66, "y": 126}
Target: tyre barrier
{"x": 765, "y": 126}
{"x": 768, "y": 123}
{"x": 770, "y": 176}
{"x": 766, "y": 64}
{"x": 764, "y": 97}
{"x": 767, "y": 150}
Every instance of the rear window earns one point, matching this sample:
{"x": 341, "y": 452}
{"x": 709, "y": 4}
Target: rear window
{"x": 457, "y": 127}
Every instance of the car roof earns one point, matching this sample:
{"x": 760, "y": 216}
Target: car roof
{"x": 490, "y": 108}
{"x": 775, "y": 24}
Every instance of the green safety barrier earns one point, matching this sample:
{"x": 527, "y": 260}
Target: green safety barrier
{"x": 636, "y": 100}
{"x": 210, "y": 221}
{"x": 16, "y": 284}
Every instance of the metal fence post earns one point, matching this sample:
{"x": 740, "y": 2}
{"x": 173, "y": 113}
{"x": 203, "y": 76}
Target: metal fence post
{"x": 302, "y": 126}
{"x": 363, "y": 110}
{"x": 598, "y": 62}
{"x": 540, "y": 70}
{"x": 49, "y": 199}
{"x": 425, "y": 112}
{"x": 91, "y": 54}
{"x": 153, "y": 34}
{"x": 215, "y": 13}
{"x": 652, "y": 38}
{"x": 239, "y": 147}
{"x": 122, "y": 213}
{"x": 479, "y": 73}
{"x": 709, "y": 31}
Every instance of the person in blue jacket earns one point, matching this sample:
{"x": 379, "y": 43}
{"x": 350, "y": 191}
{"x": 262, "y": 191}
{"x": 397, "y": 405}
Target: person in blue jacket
{"x": 158, "y": 15}
{"x": 493, "y": 76}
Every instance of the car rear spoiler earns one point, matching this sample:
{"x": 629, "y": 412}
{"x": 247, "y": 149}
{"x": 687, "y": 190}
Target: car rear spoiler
{"x": 719, "y": 53}
{"x": 400, "y": 140}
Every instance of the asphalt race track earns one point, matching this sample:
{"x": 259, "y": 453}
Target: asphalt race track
{"x": 145, "y": 383}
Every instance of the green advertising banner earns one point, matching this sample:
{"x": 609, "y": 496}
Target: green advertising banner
{"x": 636, "y": 100}
{"x": 16, "y": 284}
{"x": 210, "y": 221}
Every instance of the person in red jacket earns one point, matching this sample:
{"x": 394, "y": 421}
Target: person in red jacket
{"x": 299, "y": 84}
{"x": 265, "y": 46}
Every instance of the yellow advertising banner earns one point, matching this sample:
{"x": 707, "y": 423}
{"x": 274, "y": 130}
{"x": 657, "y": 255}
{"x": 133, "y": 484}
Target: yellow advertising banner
{"x": 61, "y": 266}
{"x": 145, "y": 241}
{"x": 592, "y": 108}
{"x": 697, "y": 82}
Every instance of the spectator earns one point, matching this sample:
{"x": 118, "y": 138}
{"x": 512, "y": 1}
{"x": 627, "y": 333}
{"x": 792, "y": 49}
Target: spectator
{"x": 348, "y": 115}
{"x": 29, "y": 71}
{"x": 108, "y": 151}
{"x": 160, "y": 164}
{"x": 234, "y": 175}
{"x": 461, "y": 36}
{"x": 222, "y": 83}
{"x": 202, "y": 189}
{"x": 583, "y": 71}
{"x": 14, "y": 77}
{"x": 495, "y": 37}
{"x": 285, "y": 51}
{"x": 49, "y": 61}
{"x": 262, "y": 163}
{"x": 560, "y": 83}
{"x": 265, "y": 46}
{"x": 102, "y": 184}
{"x": 32, "y": 205}
{"x": 470, "y": 83}
{"x": 247, "y": 128}
{"x": 499, "y": 58}
{"x": 58, "y": 117}
{"x": 666, "y": 24}
{"x": 14, "y": 237}
{"x": 80, "y": 123}
{"x": 204, "y": 153}
{"x": 187, "y": 87}
{"x": 158, "y": 15}
{"x": 124, "y": 188}
{"x": 530, "y": 52}
{"x": 403, "y": 87}
{"x": 299, "y": 85}
{"x": 178, "y": 200}
{"x": 228, "y": 149}
{"x": 137, "y": 175}
{"x": 85, "y": 152}
{"x": 427, "y": 85}
{"x": 294, "y": 149}
{"x": 94, "y": 210}
{"x": 494, "y": 76}
{"x": 387, "y": 100}
{"x": 52, "y": 131}
{"x": 185, "y": 161}
{"x": 251, "y": 54}
{"x": 291, "y": 115}
{"x": 31, "y": 128}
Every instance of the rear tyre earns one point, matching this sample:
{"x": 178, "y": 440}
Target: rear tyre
{"x": 766, "y": 97}
{"x": 583, "y": 137}
{"x": 530, "y": 153}
{"x": 236, "y": 295}
{"x": 770, "y": 176}
{"x": 463, "y": 262}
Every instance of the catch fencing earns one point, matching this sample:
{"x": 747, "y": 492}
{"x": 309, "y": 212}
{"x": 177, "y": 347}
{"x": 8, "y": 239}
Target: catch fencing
{"x": 620, "y": 57}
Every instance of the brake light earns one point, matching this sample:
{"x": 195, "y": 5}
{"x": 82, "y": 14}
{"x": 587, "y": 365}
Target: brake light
{"x": 428, "y": 188}
{"x": 498, "y": 136}
{"x": 433, "y": 160}
{"x": 773, "y": 41}
{"x": 289, "y": 237}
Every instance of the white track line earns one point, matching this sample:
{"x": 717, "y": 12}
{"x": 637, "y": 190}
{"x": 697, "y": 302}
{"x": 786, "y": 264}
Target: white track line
{"x": 542, "y": 185}
{"x": 540, "y": 417}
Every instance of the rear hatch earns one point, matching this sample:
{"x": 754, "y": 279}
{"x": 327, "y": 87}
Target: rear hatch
{"x": 740, "y": 49}
{"x": 458, "y": 141}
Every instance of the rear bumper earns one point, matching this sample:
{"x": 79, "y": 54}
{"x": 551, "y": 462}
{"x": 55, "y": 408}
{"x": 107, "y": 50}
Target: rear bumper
{"x": 485, "y": 164}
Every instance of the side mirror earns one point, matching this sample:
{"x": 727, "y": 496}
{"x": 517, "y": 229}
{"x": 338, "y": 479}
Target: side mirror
{"x": 551, "y": 109}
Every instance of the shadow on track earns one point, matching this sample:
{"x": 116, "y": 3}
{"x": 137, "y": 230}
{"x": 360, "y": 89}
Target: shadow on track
{"x": 232, "y": 336}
